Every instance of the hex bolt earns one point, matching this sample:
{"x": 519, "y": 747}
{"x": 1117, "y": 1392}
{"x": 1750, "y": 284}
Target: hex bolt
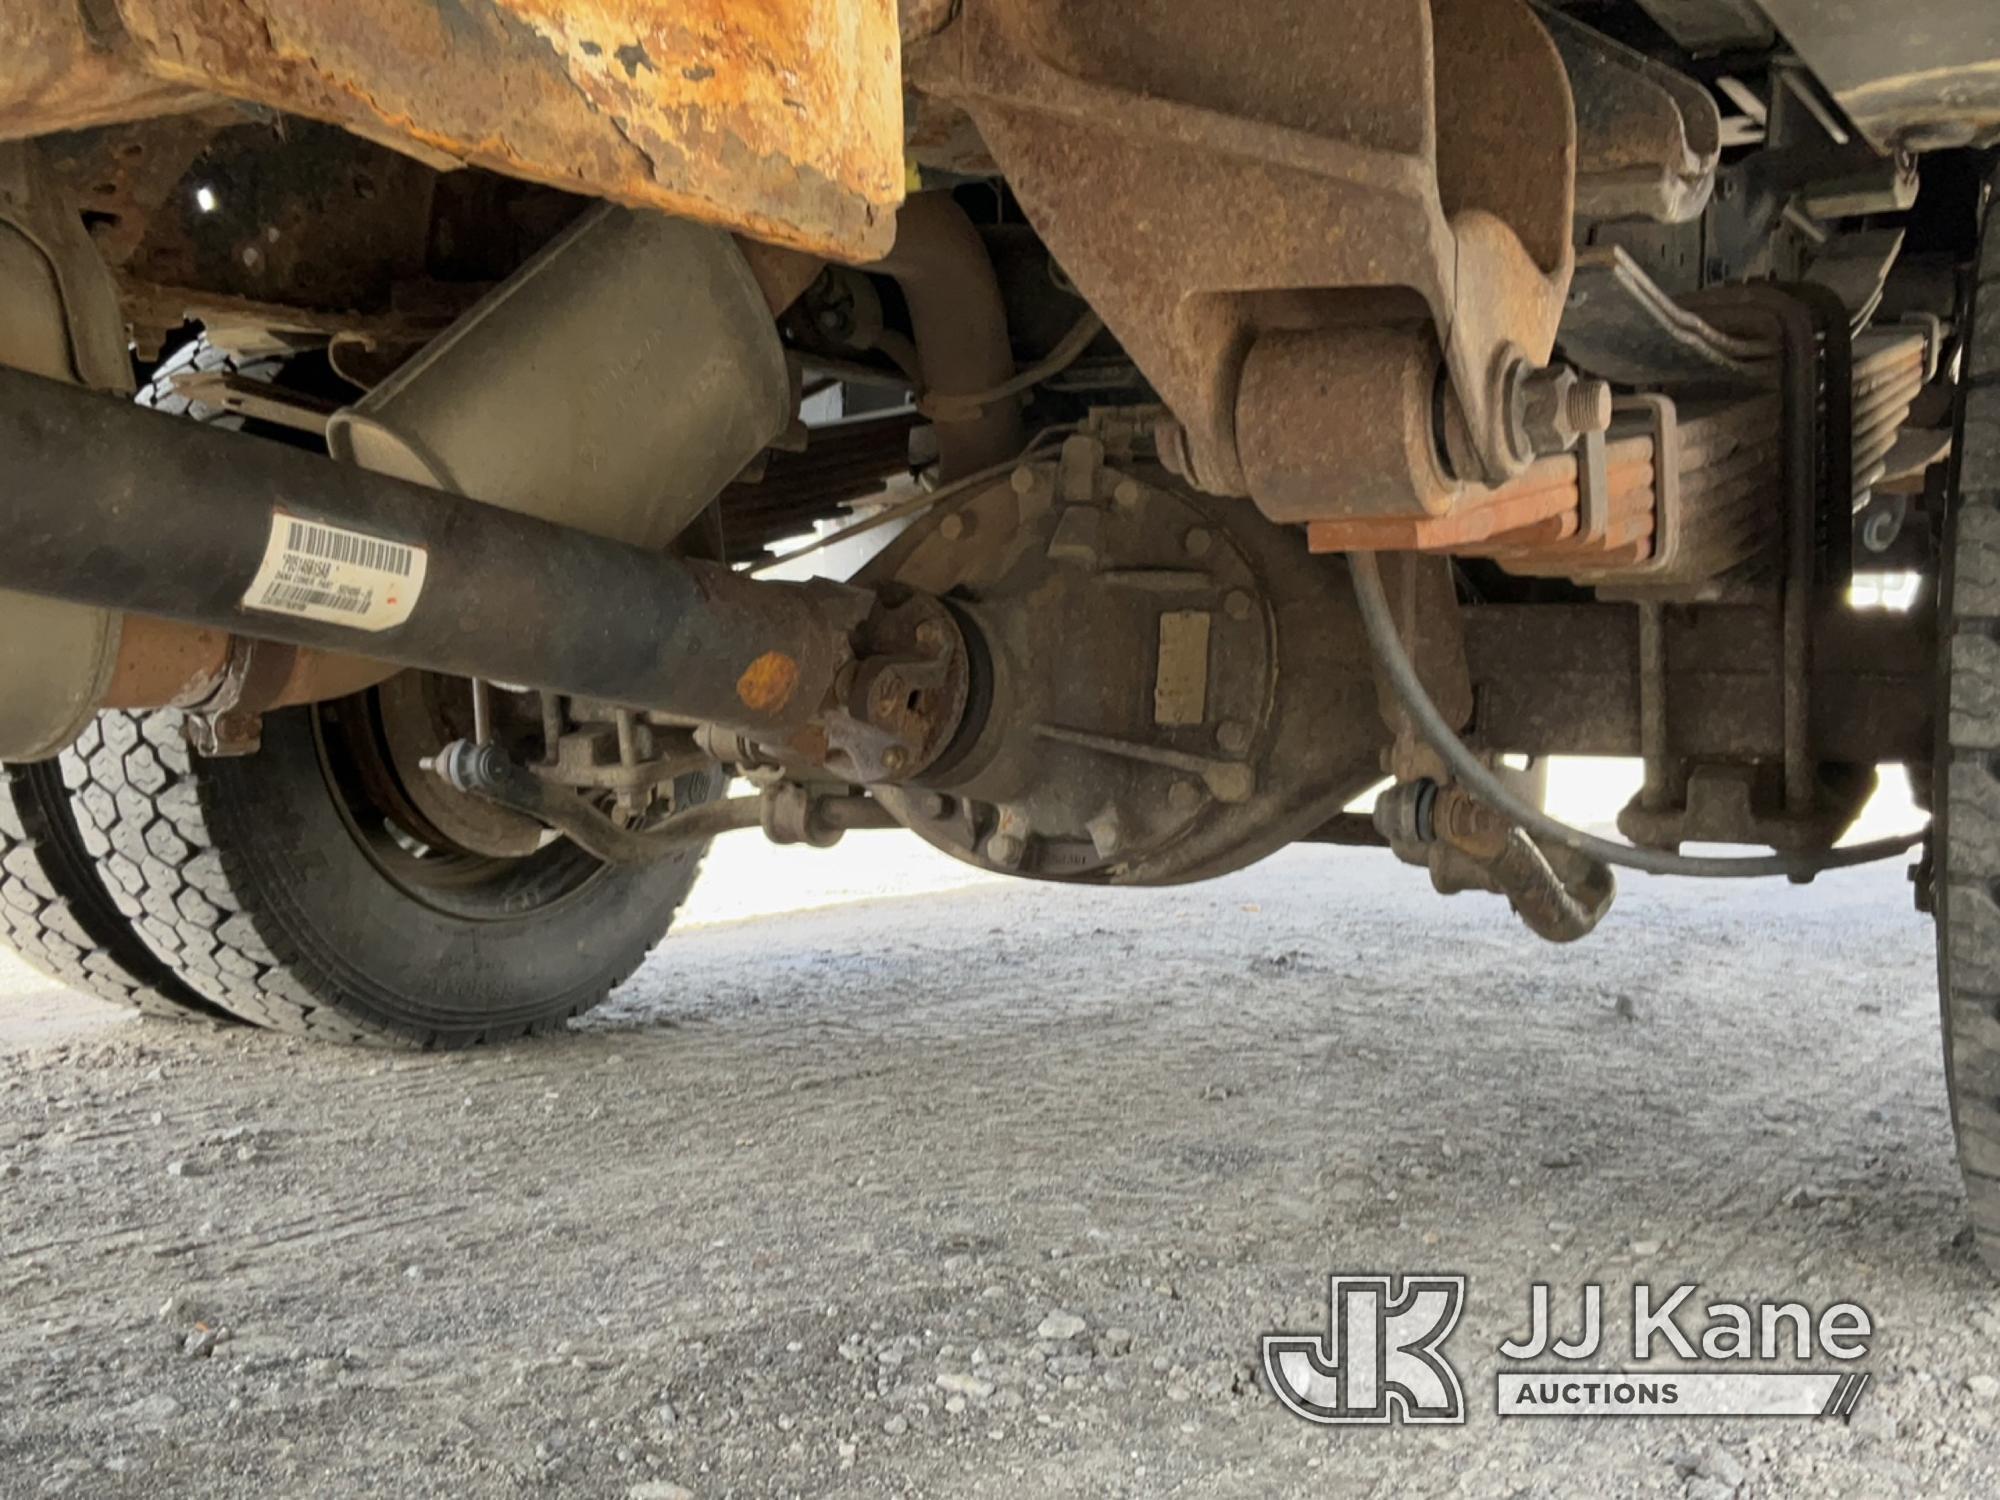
{"x": 1183, "y": 796}
{"x": 1557, "y": 407}
{"x": 1023, "y": 480}
{"x": 931, "y": 636}
{"x": 1468, "y": 824}
{"x": 1237, "y": 604}
{"x": 1197, "y": 542}
{"x": 1005, "y": 849}
{"x": 1233, "y": 735}
{"x": 894, "y": 759}
{"x": 1126, "y": 494}
{"x": 952, "y": 527}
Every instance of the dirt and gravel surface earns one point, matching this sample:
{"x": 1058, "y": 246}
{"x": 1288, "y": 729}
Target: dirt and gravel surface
{"x": 991, "y": 1192}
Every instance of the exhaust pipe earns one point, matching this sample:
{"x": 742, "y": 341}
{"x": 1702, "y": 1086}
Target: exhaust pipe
{"x": 114, "y": 505}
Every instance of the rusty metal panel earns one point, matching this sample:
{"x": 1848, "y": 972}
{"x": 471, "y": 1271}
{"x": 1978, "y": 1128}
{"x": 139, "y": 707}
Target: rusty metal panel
{"x": 1335, "y": 164}
{"x": 57, "y": 73}
{"x": 1563, "y": 679}
{"x": 780, "y": 118}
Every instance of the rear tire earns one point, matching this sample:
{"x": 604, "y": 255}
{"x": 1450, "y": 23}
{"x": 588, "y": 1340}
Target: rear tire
{"x": 56, "y": 913}
{"x": 54, "y": 909}
{"x": 1967, "y": 831}
{"x": 267, "y": 887}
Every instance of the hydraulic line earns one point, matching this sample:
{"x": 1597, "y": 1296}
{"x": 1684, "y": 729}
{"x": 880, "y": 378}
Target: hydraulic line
{"x": 1380, "y": 624}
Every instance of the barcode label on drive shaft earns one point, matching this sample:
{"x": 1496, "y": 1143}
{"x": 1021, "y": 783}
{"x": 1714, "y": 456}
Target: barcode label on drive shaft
{"x": 321, "y": 572}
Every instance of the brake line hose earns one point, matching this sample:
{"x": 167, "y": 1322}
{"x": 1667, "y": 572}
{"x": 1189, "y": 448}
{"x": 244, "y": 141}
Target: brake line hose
{"x": 1395, "y": 662}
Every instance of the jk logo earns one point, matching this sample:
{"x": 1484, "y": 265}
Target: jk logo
{"x": 1379, "y": 1359}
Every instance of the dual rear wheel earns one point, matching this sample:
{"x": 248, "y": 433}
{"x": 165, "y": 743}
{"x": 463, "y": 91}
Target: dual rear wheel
{"x": 326, "y": 885}
{"x": 302, "y": 889}
{"x": 1966, "y": 838}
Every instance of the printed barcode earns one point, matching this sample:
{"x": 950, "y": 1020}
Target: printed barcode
{"x": 321, "y": 571}
{"x": 347, "y": 547}
{"x": 290, "y": 596}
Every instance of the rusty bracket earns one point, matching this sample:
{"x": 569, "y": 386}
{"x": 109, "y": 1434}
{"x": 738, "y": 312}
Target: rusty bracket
{"x": 789, "y": 812}
{"x": 1593, "y": 490}
{"x": 782, "y": 119}
{"x": 1269, "y": 226}
{"x": 1559, "y": 893}
{"x": 1648, "y": 136}
{"x": 1424, "y": 599}
{"x": 1654, "y": 417}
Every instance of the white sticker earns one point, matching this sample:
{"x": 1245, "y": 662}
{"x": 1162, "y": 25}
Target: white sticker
{"x": 321, "y": 572}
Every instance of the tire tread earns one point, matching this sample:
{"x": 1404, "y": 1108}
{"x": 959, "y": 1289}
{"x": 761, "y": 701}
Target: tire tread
{"x": 57, "y": 914}
{"x": 1968, "y": 894}
{"x": 145, "y": 815}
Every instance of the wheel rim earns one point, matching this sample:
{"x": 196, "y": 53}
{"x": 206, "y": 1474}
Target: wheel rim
{"x": 463, "y": 862}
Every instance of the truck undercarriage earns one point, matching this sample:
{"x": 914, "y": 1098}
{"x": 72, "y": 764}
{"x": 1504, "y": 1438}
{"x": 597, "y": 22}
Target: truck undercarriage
{"x": 1167, "y": 434}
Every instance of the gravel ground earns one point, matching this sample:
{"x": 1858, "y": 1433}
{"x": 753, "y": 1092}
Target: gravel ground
{"x": 992, "y": 1192}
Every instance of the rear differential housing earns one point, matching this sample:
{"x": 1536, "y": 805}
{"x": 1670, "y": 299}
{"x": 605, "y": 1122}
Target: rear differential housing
{"x": 1165, "y": 685}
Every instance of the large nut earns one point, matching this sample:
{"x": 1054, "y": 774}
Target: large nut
{"x": 1558, "y": 406}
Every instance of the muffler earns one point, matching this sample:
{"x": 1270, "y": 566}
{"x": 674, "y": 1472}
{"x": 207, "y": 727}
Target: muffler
{"x": 615, "y": 383}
